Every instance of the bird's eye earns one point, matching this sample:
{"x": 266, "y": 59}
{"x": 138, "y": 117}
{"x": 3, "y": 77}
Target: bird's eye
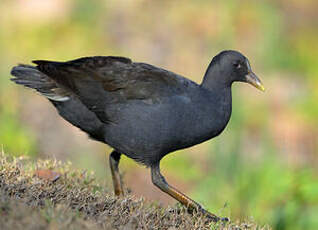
{"x": 237, "y": 65}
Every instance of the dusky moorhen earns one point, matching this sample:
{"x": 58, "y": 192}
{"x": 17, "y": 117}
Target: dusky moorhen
{"x": 140, "y": 110}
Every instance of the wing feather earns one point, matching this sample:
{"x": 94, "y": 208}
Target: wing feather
{"x": 99, "y": 81}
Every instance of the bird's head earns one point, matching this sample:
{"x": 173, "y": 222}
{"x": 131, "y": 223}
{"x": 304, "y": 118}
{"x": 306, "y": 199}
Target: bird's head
{"x": 231, "y": 66}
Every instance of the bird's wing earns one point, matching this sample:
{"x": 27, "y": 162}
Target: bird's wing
{"x": 99, "y": 80}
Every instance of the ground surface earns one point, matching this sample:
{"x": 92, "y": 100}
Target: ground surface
{"x": 51, "y": 195}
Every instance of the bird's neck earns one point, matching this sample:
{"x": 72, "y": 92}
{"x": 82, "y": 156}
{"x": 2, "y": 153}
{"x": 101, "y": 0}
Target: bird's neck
{"x": 221, "y": 98}
{"x": 215, "y": 78}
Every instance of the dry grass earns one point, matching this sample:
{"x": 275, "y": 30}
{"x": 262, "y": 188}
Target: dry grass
{"x": 76, "y": 201}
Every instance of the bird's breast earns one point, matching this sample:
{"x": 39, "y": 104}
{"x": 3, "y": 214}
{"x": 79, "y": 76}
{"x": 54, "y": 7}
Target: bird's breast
{"x": 176, "y": 123}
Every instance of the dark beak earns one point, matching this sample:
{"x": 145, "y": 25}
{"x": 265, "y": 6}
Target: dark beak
{"x": 252, "y": 79}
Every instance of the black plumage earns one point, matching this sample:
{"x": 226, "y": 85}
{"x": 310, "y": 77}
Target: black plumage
{"x": 140, "y": 110}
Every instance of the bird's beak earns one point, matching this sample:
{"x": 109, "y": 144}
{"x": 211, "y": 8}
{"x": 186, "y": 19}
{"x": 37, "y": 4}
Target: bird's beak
{"x": 252, "y": 79}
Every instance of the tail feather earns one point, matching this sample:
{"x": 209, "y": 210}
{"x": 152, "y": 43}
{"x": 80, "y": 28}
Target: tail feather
{"x": 68, "y": 106}
{"x": 29, "y": 76}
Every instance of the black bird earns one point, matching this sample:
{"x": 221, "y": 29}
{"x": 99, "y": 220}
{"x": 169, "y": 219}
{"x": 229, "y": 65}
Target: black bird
{"x": 140, "y": 110}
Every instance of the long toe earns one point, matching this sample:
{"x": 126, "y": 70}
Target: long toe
{"x": 216, "y": 219}
{"x": 210, "y": 216}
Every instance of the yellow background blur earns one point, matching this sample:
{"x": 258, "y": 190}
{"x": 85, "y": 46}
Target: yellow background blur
{"x": 264, "y": 165}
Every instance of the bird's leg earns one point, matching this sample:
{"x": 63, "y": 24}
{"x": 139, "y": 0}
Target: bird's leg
{"x": 114, "y": 158}
{"x": 160, "y": 182}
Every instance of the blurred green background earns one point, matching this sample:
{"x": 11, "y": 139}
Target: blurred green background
{"x": 264, "y": 165}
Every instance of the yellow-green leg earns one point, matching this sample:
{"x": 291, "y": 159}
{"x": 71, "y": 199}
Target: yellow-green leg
{"x": 160, "y": 182}
{"x": 114, "y": 158}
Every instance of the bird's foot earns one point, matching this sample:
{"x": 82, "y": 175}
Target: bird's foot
{"x": 214, "y": 218}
